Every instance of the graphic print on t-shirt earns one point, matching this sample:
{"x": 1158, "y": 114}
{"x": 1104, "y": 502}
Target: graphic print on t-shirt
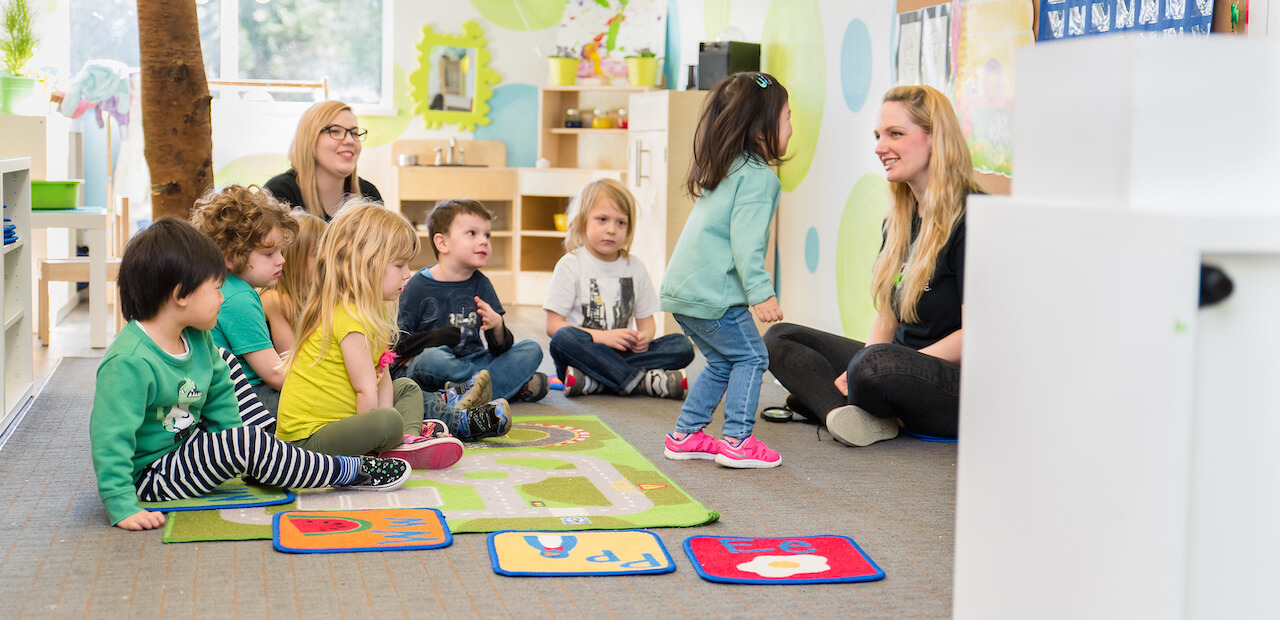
{"x": 609, "y": 303}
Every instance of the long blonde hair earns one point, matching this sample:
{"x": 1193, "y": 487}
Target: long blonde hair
{"x": 354, "y": 253}
{"x": 302, "y": 154}
{"x": 950, "y": 181}
{"x": 295, "y": 277}
{"x": 586, "y": 199}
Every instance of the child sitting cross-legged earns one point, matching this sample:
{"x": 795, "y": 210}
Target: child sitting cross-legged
{"x": 252, "y": 230}
{"x": 452, "y": 313}
{"x": 595, "y": 292}
{"x": 338, "y": 396}
{"x": 165, "y": 422}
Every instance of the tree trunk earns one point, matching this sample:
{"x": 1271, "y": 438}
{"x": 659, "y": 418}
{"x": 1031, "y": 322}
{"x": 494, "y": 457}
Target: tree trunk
{"x": 175, "y": 106}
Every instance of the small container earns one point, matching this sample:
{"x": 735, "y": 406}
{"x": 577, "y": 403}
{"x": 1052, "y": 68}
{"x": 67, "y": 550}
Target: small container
{"x": 572, "y": 120}
{"x": 600, "y": 119}
{"x": 623, "y": 120}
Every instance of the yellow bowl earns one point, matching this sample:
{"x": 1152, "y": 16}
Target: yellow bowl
{"x": 562, "y": 222}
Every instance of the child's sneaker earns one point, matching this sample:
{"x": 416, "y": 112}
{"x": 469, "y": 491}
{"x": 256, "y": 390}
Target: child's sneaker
{"x": 492, "y": 419}
{"x": 750, "y": 453}
{"x": 577, "y": 383}
{"x": 664, "y": 384}
{"x": 467, "y": 394}
{"x": 534, "y": 390}
{"x": 380, "y": 474}
{"x": 851, "y": 425}
{"x": 427, "y": 452}
{"x": 695, "y": 446}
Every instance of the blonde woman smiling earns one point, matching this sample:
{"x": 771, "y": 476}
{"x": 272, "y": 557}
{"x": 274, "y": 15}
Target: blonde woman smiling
{"x": 907, "y": 374}
{"x": 322, "y": 162}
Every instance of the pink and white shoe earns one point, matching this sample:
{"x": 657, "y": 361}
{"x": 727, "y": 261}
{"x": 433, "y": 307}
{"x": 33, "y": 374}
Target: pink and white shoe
{"x": 750, "y": 453}
{"x": 695, "y": 446}
{"x": 427, "y": 452}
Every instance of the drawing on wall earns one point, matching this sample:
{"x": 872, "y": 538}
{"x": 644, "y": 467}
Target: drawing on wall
{"x": 607, "y": 31}
{"x": 991, "y": 33}
{"x": 1060, "y": 19}
{"x": 924, "y": 47}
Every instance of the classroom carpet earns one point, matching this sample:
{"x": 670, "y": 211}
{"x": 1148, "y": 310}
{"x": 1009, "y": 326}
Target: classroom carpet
{"x": 551, "y": 472}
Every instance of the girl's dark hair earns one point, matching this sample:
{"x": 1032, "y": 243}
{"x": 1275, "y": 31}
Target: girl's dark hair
{"x": 166, "y": 256}
{"x": 739, "y": 110}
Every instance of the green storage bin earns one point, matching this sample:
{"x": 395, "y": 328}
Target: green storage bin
{"x": 55, "y": 194}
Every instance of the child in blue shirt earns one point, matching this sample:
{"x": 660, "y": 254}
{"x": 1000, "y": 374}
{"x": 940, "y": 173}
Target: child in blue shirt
{"x": 453, "y": 317}
{"x": 252, "y": 230}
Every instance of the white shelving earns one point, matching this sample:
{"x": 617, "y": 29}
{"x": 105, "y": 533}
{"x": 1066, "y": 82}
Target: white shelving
{"x": 15, "y": 303}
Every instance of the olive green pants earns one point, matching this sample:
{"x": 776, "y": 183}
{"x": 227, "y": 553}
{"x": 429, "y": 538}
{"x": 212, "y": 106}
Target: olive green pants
{"x": 376, "y": 430}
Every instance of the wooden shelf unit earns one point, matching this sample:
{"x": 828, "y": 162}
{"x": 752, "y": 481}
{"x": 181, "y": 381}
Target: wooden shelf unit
{"x": 16, "y": 367}
{"x": 586, "y": 147}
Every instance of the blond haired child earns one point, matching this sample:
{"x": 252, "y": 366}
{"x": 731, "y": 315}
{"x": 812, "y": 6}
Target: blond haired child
{"x": 339, "y": 397}
{"x": 283, "y": 302}
{"x": 252, "y": 230}
{"x": 165, "y": 422}
{"x": 597, "y": 290}
{"x": 717, "y": 272}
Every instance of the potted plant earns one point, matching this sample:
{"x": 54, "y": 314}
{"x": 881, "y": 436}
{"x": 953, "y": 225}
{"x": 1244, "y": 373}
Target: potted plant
{"x": 642, "y": 67}
{"x": 563, "y": 66}
{"x": 18, "y": 42}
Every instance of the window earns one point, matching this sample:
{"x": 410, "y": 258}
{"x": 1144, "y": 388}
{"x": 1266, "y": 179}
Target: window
{"x": 276, "y": 39}
{"x": 301, "y": 40}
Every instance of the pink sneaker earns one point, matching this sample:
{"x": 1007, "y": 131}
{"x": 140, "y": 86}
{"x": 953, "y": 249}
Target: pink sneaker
{"x": 427, "y": 452}
{"x": 695, "y": 446}
{"x": 750, "y": 454}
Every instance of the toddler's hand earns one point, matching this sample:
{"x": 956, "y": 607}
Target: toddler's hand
{"x": 619, "y": 339}
{"x": 489, "y": 318}
{"x": 842, "y": 383}
{"x": 641, "y": 342}
{"x": 768, "y": 310}
{"x": 142, "y": 520}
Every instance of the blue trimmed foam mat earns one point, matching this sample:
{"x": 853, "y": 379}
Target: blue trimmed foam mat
{"x": 524, "y": 553}
{"x": 234, "y": 493}
{"x": 346, "y": 531}
{"x": 769, "y": 561}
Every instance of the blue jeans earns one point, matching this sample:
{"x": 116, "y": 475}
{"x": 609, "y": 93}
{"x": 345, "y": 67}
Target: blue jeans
{"x": 736, "y": 361}
{"x": 509, "y": 371}
{"x": 614, "y": 369}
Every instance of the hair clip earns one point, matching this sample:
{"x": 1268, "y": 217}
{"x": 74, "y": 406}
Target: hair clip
{"x": 763, "y": 80}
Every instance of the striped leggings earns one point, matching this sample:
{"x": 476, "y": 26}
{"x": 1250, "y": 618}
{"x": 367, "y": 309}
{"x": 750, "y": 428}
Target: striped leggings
{"x": 206, "y": 460}
{"x": 252, "y": 411}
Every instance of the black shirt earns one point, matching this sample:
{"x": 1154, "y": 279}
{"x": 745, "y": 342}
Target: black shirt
{"x": 285, "y": 188}
{"x": 938, "y": 310}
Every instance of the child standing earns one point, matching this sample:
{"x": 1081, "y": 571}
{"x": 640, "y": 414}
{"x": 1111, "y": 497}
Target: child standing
{"x": 717, "y": 269}
{"x": 283, "y": 302}
{"x": 451, "y": 301}
{"x": 165, "y": 422}
{"x": 252, "y": 230}
{"x": 338, "y": 397}
{"x": 595, "y": 292}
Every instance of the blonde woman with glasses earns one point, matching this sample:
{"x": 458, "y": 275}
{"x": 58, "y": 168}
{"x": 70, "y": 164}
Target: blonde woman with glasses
{"x": 907, "y": 374}
{"x": 322, "y": 162}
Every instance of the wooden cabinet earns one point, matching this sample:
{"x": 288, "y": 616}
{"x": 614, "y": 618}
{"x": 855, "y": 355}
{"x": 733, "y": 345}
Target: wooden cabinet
{"x": 16, "y": 366}
{"x": 659, "y": 149}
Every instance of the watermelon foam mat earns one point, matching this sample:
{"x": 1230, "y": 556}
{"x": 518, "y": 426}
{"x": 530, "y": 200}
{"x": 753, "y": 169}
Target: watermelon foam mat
{"x": 765, "y": 561}
{"x": 520, "y": 553}
{"x": 345, "y": 531}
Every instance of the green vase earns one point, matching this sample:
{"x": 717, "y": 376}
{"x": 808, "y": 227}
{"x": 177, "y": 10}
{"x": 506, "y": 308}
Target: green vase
{"x": 15, "y": 93}
{"x": 562, "y": 71}
{"x": 642, "y": 71}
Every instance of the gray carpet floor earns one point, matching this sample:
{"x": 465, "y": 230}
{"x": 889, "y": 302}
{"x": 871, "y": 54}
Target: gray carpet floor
{"x": 60, "y": 558}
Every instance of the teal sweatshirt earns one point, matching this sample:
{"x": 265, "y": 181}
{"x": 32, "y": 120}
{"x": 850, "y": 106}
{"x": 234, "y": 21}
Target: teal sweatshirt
{"x": 719, "y": 261}
{"x": 144, "y": 397}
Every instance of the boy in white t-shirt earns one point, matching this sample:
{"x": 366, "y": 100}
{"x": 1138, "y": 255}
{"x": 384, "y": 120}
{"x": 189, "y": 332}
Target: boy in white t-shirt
{"x": 595, "y": 293}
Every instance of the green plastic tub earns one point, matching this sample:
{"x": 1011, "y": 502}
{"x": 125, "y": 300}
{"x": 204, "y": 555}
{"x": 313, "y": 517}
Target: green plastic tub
{"x": 55, "y": 194}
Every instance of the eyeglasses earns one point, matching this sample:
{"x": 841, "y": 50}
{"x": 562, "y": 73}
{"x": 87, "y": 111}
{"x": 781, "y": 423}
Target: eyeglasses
{"x": 339, "y": 133}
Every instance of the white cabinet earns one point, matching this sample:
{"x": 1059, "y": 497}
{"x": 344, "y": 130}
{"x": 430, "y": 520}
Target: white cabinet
{"x": 659, "y": 148}
{"x": 15, "y": 303}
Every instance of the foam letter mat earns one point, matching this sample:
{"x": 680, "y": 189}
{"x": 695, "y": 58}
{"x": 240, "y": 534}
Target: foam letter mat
{"x": 765, "y": 561}
{"x": 344, "y": 531}
{"x": 553, "y": 473}
{"x": 578, "y": 554}
{"x": 234, "y": 493}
